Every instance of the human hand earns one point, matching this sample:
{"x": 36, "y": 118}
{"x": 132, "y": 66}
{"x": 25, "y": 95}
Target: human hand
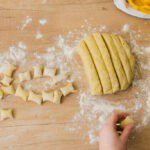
{"x": 109, "y": 137}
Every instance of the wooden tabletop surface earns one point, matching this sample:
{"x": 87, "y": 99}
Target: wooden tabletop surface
{"x": 45, "y": 127}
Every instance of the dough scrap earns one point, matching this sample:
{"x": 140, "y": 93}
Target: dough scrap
{"x": 20, "y": 92}
{"x": 6, "y": 114}
{"x": 25, "y": 76}
{"x": 116, "y": 61}
{"x": 48, "y": 96}
{"x": 8, "y": 90}
{"x": 128, "y": 120}
{"x": 57, "y": 97}
{"x": 89, "y": 67}
{"x": 6, "y": 81}
{"x": 35, "y": 97}
{"x": 123, "y": 58}
{"x": 50, "y": 72}
{"x": 68, "y": 89}
{"x": 37, "y": 71}
{"x": 107, "y": 59}
{"x": 99, "y": 63}
{"x": 8, "y": 69}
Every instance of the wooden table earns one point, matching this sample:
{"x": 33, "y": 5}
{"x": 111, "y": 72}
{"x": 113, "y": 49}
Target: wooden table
{"x": 44, "y": 127}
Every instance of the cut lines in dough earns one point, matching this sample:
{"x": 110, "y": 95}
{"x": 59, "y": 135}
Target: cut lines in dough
{"x": 107, "y": 59}
{"x": 123, "y": 58}
{"x": 116, "y": 61}
{"x": 99, "y": 63}
{"x": 6, "y": 114}
{"x": 92, "y": 75}
{"x": 129, "y": 54}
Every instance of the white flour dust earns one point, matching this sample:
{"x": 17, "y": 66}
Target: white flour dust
{"x": 42, "y": 21}
{"x": 26, "y": 21}
{"x": 38, "y": 35}
{"x": 14, "y": 54}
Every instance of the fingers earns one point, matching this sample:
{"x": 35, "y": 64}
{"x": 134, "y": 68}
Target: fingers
{"x": 126, "y": 133}
{"x": 115, "y": 117}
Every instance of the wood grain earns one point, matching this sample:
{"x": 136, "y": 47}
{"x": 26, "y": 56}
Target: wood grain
{"x": 44, "y": 127}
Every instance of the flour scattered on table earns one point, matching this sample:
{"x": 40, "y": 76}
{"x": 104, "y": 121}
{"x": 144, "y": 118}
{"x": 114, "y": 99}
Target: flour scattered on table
{"x": 26, "y": 21}
{"x": 38, "y": 35}
{"x": 22, "y": 45}
{"x": 126, "y": 28}
{"x": 42, "y": 21}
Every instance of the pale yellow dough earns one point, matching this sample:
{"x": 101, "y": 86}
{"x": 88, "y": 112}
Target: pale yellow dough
{"x": 116, "y": 61}
{"x": 99, "y": 63}
{"x": 123, "y": 58}
{"x": 107, "y": 59}
{"x": 108, "y": 63}
{"x": 94, "y": 82}
{"x": 6, "y": 114}
{"x": 8, "y": 90}
{"x": 128, "y": 120}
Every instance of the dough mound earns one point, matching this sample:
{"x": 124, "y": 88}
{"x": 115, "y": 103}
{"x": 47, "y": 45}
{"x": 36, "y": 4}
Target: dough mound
{"x": 108, "y": 63}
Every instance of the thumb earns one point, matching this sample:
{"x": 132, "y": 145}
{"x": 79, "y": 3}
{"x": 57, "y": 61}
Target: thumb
{"x": 126, "y": 133}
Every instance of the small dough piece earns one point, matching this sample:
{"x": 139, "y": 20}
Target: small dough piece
{"x": 123, "y": 58}
{"x": 57, "y": 97}
{"x": 128, "y": 120}
{"x": 94, "y": 82}
{"x": 1, "y": 94}
{"x": 129, "y": 54}
{"x": 6, "y": 114}
{"x": 8, "y": 69}
{"x": 24, "y": 76}
{"x": 37, "y": 71}
{"x": 6, "y": 80}
{"x": 20, "y": 92}
{"x": 48, "y": 96}
{"x": 68, "y": 89}
{"x": 100, "y": 65}
{"x": 35, "y": 98}
{"x": 50, "y": 72}
{"x": 8, "y": 90}
{"x": 107, "y": 59}
{"x": 116, "y": 61}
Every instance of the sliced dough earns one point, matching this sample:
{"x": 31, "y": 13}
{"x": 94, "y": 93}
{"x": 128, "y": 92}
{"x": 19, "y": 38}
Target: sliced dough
{"x": 116, "y": 61}
{"x": 123, "y": 58}
{"x": 90, "y": 69}
{"x": 6, "y": 114}
{"x": 6, "y": 80}
{"x": 8, "y": 90}
{"x": 129, "y": 54}
{"x": 20, "y": 92}
{"x": 48, "y": 96}
{"x": 35, "y": 97}
{"x": 25, "y": 76}
{"x": 1, "y": 94}
{"x": 107, "y": 59}
{"x": 57, "y": 97}
{"x": 8, "y": 69}
{"x": 37, "y": 71}
{"x": 68, "y": 89}
{"x": 50, "y": 72}
{"x": 100, "y": 65}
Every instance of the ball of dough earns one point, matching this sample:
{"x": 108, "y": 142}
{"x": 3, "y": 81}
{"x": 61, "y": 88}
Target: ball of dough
{"x": 108, "y": 63}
